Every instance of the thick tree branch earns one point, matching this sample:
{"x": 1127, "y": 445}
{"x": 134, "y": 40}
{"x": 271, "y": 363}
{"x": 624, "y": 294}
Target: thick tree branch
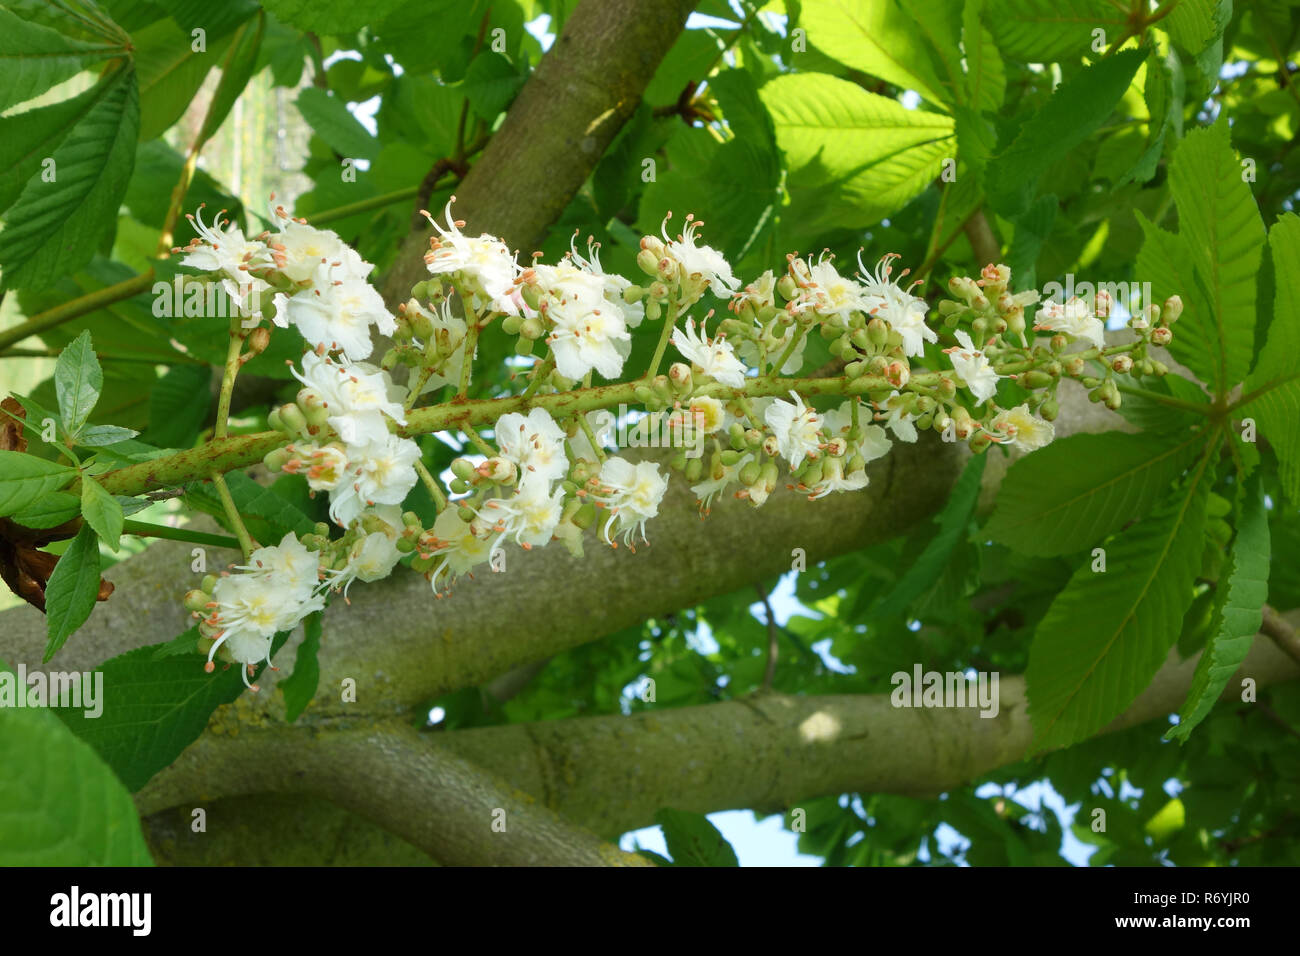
{"x": 582, "y": 92}
{"x": 613, "y": 773}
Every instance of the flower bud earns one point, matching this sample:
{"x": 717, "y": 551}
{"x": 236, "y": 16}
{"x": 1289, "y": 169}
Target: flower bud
{"x": 256, "y": 343}
{"x": 276, "y": 459}
{"x": 898, "y": 374}
{"x": 510, "y": 324}
{"x": 679, "y": 373}
{"x": 1074, "y": 366}
{"x": 647, "y": 261}
{"x": 787, "y": 287}
{"x": 1035, "y": 378}
{"x": 694, "y": 469}
{"x": 1050, "y": 409}
{"x": 464, "y": 469}
{"x": 532, "y": 328}
{"x": 770, "y": 446}
{"x": 208, "y": 583}
{"x": 1172, "y": 310}
{"x": 750, "y": 473}
{"x": 295, "y": 422}
{"x": 1122, "y": 364}
{"x": 524, "y": 346}
{"x": 1162, "y": 336}
{"x": 197, "y": 601}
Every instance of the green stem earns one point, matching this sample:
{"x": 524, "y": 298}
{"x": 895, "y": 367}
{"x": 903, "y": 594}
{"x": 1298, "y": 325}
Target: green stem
{"x": 469, "y": 345}
{"x": 440, "y": 499}
{"x": 796, "y": 337}
{"x": 1200, "y": 409}
{"x": 228, "y": 378}
{"x": 670, "y": 322}
{"x": 142, "y": 529}
{"x": 364, "y": 205}
{"x": 236, "y": 522}
{"x": 79, "y": 306}
{"x": 543, "y": 369}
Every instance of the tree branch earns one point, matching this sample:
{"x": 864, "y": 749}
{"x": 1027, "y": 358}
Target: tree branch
{"x": 582, "y": 92}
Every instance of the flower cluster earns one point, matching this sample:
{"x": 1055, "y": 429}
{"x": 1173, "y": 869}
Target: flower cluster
{"x": 547, "y": 474}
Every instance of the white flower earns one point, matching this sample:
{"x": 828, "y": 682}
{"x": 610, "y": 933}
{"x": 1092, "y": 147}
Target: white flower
{"x": 704, "y": 264}
{"x": 369, "y": 559}
{"x": 797, "y": 429}
{"x": 461, "y": 549}
{"x": 834, "y": 479}
{"x": 722, "y": 477}
{"x": 759, "y": 293}
{"x": 289, "y": 565}
{"x": 612, "y": 284}
{"x": 221, "y": 247}
{"x": 904, "y": 312}
{"x": 534, "y": 443}
{"x": 486, "y": 267}
{"x": 529, "y": 515}
{"x": 584, "y": 337}
{"x": 873, "y": 444}
{"x": 828, "y": 293}
{"x": 382, "y": 472}
{"x": 324, "y": 466}
{"x": 336, "y": 314}
{"x": 715, "y": 358}
{"x": 304, "y": 253}
{"x": 896, "y": 417}
{"x": 632, "y": 493}
{"x": 973, "y": 368}
{"x": 1073, "y": 318}
{"x": 359, "y": 398}
{"x": 1019, "y": 427}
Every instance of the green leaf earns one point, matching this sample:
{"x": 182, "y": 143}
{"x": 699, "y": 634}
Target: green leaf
{"x": 97, "y": 436}
{"x": 178, "y": 406}
{"x": 60, "y": 805}
{"x": 1108, "y": 632}
{"x": 50, "y": 512}
{"x": 331, "y": 16}
{"x": 693, "y": 840}
{"x": 876, "y": 37}
{"x": 490, "y": 83}
{"x": 160, "y": 706}
{"x": 78, "y": 380}
{"x": 1275, "y": 381}
{"x": 1046, "y": 31}
{"x": 268, "y": 515}
{"x": 300, "y": 686}
{"x": 236, "y": 70}
{"x": 329, "y": 117}
{"x": 858, "y": 156}
{"x": 25, "y": 479}
{"x": 55, "y": 227}
{"x": 1195, "y": 24}
{"x": 1077, "y": 490}
{"x": 986, "y": 76}
{"x": 1244, "y": 589}
{"x": 72, "y": 589}
{"x": 1077, "y": 107}
{"x": 952, "y": 521}
{"x": 34, "y": 58}
{"x": 102, "y": 512}
{"x": 170, "y": 73}
{"x": 1220, "y": 223}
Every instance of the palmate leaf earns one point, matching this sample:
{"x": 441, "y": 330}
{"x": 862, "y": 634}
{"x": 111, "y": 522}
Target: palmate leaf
{"x": 1275, "y": 381}
{"x": 855, "y": 156}
{"x": 160, "y": 705}
{"x": 54, "y": 227}
{"x": 1108, "y": 632}
{"x": 34, "y": 57}
{"x": 1243, "y": 589}
{"x": 59, "y": 804}
{"x": 330, "y": 118}
{"x": 1076, "y": 491}
{"x": 26, "y": 479}
{"x": 876, "y": 37}
{"x": 170, "y": 73}
{"x": 1220, "y": 222}
{"x": 1044, "y": 31}
{"x": 1076, "y": 108}
{"x": 78, "y": 381}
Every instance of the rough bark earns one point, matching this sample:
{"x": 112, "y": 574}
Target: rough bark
{"x": 582, "y": 92}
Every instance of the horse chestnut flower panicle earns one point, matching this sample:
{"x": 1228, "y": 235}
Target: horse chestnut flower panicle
{"x": 550, "y": 477}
